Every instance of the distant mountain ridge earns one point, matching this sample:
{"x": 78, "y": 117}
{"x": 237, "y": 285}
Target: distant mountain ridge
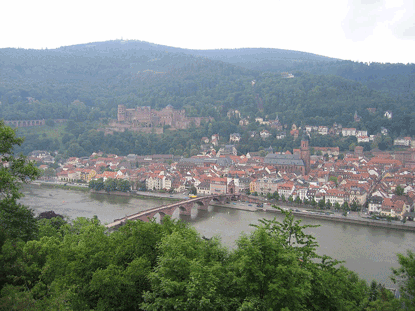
{"x": 397, "y": 79}
{"x": 264, "y": 59}
{"x": 102, "y": 75}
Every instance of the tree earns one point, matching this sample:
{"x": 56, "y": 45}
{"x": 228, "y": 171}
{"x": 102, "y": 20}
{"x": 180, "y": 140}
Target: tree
{"x": 328, "y": 205}
{"x": 322, "y": 203}
{"x": 345, "y": 206}
{"x": 278, "y": 268}
{"x": 110, "y": 185}
{"x": 123, "y": 185}
{"x": 50, "y": 122}
{"x": 96, "y": 185}
{"x": 193, "y": 190}
{"x": 49, "y": 172}
{"x": 276, "y": 195}
{"x": 354, "y": 206}
{"x": 404, "y": 276}
{"x": 16, "y": 220}
{"x": 337, "y": 206}
{"x": 190, "y": 274}
{"x": 399, "y": 190}
{"x": 333, "y": 179}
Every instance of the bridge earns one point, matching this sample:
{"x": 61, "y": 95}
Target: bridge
{"x": 185, "y": 207}
{"x": 26, "y": 123}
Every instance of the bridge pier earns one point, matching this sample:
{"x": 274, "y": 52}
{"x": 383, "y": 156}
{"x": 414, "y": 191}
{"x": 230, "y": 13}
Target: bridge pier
{"x": 203, "y": 204}
{"x": 185, "y": 208}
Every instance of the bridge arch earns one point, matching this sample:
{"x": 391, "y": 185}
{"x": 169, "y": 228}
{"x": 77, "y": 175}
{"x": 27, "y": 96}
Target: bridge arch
{"x": 184, "y": 209}
{"x": 159, "y": 217}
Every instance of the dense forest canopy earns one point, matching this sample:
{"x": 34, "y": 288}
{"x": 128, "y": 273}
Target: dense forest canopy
{"x": 86, "y": 82}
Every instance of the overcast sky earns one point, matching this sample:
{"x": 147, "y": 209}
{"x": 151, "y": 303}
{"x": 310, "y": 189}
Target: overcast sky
{"x": 359, "y": 30}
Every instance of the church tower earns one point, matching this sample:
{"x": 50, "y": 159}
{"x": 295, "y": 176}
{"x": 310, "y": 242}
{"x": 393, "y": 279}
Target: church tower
{"x": 305, "y": 154}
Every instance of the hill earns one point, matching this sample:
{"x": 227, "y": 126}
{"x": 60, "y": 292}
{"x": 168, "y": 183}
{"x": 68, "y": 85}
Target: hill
{"x": 86, "y": 82}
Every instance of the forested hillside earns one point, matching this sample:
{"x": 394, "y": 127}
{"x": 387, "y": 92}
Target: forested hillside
{"x": 85, "y": 83}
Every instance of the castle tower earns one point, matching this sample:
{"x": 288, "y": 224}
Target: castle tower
{"x": 121, "y": 113}
{"x": 305, "y": 154}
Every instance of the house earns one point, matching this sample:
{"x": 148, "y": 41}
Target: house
{"x": 363, "y": 139}
{"x": 392, "y": 208}
{"x": 264, "y": 134}
{"x": 235, "y": 137}
{"x": 361, "y": 133}
{"x": 203, "y": 188}
{"x": 261, "y": 121}
{"x": 323, "y": 130}
{"x": 336, "y": 196}
{"x": 402, "y": 141}
{"x": 357, "y": 194}
{"x": 158, "y": 182}
{"x": 243, "y": 122}
{"x": 281, "y": 135}
{"x": 286, "y": 189}
{"x": 335, "y": 151}
{"x": 218, "y": 185}
{"x": 228, "y": 150}
{"x": 215, "y": 139}
{"x": 233, "y": 113}
{"x": 375, "y": 204}
{"x": 388, "y": 114}
{"x": 348, "y": 131}
{"x": 266, "y": 185}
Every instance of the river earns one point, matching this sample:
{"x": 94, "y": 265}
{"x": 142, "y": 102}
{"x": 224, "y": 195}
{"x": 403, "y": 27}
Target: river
{"x": 369, "y": 251}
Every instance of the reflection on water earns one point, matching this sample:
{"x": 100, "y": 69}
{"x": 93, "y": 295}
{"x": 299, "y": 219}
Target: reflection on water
{"x": 369, "y": 251}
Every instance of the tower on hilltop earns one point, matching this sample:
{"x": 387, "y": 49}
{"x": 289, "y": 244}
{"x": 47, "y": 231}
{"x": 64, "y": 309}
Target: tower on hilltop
{"x": 305, "y": 154}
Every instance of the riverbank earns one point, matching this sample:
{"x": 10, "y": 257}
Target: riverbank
{"x": 137, "y": 195}
{"x": 332, "y": 217}
{"x": 299, "y": 211}
{"x": 61, "y": 186}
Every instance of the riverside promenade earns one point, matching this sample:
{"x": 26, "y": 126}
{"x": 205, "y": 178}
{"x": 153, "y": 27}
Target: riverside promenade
{"x": 352, "y": 218}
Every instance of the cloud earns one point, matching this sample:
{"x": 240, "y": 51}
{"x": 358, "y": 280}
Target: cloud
{"x": 364, "y": 17}
{"x": 403, "y": 23}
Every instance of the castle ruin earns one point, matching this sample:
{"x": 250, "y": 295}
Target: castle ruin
{"x": 145, "y": 119}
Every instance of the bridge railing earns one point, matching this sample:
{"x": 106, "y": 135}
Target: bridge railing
{"x": 154, "y": 209}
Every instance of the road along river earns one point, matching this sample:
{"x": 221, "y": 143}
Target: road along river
{"x": 369, "y": 251}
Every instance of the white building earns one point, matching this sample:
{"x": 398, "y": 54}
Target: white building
{"x": 235, "y": 137}
{"x": 349, "y": 132}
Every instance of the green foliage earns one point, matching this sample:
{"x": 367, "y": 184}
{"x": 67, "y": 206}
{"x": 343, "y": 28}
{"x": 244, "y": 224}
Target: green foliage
{"x": 193, "y": 190}
{"x": 90, "y": 83}
{"x": 110, "y": 185}
{"x": 16, "y": 220}
{"x": 404, "y": 276}
{"x": 345, "y": 206}
{"x": 337, "y": 206}
{"x": 149, "y": 266}
{"x": 399, "y": 190}
{"x": 123, "y": 185}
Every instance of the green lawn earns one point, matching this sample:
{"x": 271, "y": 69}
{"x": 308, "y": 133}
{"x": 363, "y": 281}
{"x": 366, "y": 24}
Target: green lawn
{"x": 51, "y": 132}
